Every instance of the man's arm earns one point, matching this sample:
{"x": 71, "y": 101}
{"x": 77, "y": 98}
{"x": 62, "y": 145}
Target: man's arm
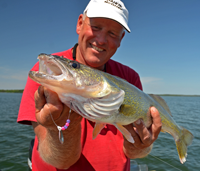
{"x": 143, "y": 137}
{"x": 59, "y": 155}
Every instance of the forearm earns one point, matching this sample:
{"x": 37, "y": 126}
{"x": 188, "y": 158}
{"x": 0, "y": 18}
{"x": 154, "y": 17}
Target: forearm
{"x": 59, "y": 155}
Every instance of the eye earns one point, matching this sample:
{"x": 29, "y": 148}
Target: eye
{"x": 112, "y": 34}
{"x": 74, "y": 64}
{"x": 95, "y": 28}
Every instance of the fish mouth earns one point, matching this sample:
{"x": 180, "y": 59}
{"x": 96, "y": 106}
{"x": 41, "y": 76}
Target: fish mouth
{"x": 50, "y": 68}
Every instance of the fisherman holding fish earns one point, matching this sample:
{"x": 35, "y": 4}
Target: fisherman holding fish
{"x": 100, "y": 30}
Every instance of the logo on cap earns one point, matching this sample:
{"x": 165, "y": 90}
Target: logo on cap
{"x": 114, "y": 3}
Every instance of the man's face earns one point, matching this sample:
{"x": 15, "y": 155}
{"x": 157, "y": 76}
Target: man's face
{"x": 98, "y": 40}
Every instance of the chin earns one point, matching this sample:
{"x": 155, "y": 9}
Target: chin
{"x": 94, "y": 64}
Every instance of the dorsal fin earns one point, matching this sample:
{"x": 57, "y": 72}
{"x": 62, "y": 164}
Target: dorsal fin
{"x": 161, "y": 101}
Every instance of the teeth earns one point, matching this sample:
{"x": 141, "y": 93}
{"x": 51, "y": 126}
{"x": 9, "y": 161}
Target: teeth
{"x": 96, "y": 48}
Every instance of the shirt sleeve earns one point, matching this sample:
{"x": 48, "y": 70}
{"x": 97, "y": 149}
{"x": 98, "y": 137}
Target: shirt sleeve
{"x": 27, "y": 106}
{"x": 135, "y": 79}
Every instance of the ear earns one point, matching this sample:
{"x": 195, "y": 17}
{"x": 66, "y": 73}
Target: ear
{"x": 121, "y": 38}
{"x": 122, "y": 35}
{"x": 79, "y": 23}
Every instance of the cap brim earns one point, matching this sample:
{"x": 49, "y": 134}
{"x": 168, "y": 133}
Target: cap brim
{"x": 92, "y": 13}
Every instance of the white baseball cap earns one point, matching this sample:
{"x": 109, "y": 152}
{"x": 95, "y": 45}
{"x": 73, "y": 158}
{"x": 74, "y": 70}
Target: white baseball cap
{"x": 112, "y": 9}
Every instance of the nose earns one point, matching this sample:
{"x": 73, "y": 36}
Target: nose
{"x": 101, "y": 38}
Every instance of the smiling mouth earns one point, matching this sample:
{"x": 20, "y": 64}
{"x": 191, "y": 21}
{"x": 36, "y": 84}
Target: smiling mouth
{"x": 96, "y": 48}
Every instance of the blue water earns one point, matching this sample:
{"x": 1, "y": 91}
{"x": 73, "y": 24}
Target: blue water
{"x": 186, "y": 112}
{"x": 15, "y": 138}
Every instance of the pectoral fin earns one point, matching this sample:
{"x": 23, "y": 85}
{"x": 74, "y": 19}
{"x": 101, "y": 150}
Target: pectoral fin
{"x": 125, "y": 132}
{"x": 97, "y": 129}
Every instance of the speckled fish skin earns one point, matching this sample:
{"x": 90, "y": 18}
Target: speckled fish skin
{"x": 106, "y": 99}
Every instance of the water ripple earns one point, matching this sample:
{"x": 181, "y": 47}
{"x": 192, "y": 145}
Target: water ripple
{"x": 15, "y": 138}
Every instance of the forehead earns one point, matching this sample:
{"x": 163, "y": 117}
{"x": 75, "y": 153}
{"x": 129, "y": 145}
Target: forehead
{"x": 106, "y": 22}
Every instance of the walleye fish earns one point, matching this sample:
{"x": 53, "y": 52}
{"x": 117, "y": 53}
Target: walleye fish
{"x": 105, "y": 99}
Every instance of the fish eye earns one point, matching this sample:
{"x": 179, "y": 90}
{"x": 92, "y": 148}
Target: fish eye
{"x": 74, "y": 64}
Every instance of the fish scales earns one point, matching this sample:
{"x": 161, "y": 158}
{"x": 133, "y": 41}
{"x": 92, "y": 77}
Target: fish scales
{"x": 106, "y": 99}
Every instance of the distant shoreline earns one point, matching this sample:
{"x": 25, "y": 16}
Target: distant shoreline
{"x": 21, "y": 91}
{"x": 178, "y": 95}
{"x": 11, "y": 91}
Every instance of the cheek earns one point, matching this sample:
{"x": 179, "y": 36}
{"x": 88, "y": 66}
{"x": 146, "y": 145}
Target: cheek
{"x": 87, "y": 34}
{"x": 117, "y": 43}
{"x": 113, "y": 45}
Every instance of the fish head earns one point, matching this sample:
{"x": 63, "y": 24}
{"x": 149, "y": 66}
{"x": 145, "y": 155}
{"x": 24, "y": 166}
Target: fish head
{"x": 67, "y": 76}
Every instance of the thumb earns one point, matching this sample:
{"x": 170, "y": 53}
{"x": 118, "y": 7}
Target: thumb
{"x": 47, "y": 105}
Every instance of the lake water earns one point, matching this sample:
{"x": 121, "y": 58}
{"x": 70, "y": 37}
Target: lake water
{"x": 15, "y": 138}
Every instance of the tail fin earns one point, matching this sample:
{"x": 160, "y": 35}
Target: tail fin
{"x": 181, "y": 144}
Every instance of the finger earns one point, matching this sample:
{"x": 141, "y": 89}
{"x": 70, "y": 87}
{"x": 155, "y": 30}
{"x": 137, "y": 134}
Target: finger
{"x": 53, "y": 106}
{"x": 134, "y": 134}
{"x": 58, "y": 110}
{"x": 47, "y": 105}
{"x": 40, "y": 99}
{"x": 53, "y": 103}
{"x": 156, "y": 123}
{"x": 143, "y": 132}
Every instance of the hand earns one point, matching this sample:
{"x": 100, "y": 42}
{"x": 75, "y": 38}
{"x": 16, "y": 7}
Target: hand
{"x": 143, "y": 136}
{"x": 47, "y": 104}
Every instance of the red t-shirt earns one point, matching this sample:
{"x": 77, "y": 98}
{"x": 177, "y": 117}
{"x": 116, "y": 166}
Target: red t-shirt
{"x": 105, "y": 152}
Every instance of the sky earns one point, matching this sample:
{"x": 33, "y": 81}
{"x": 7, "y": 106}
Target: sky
{"x": 163, "y": 46}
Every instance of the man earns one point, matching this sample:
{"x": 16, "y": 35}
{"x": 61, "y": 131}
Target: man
{"x": 101, "y": 29}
